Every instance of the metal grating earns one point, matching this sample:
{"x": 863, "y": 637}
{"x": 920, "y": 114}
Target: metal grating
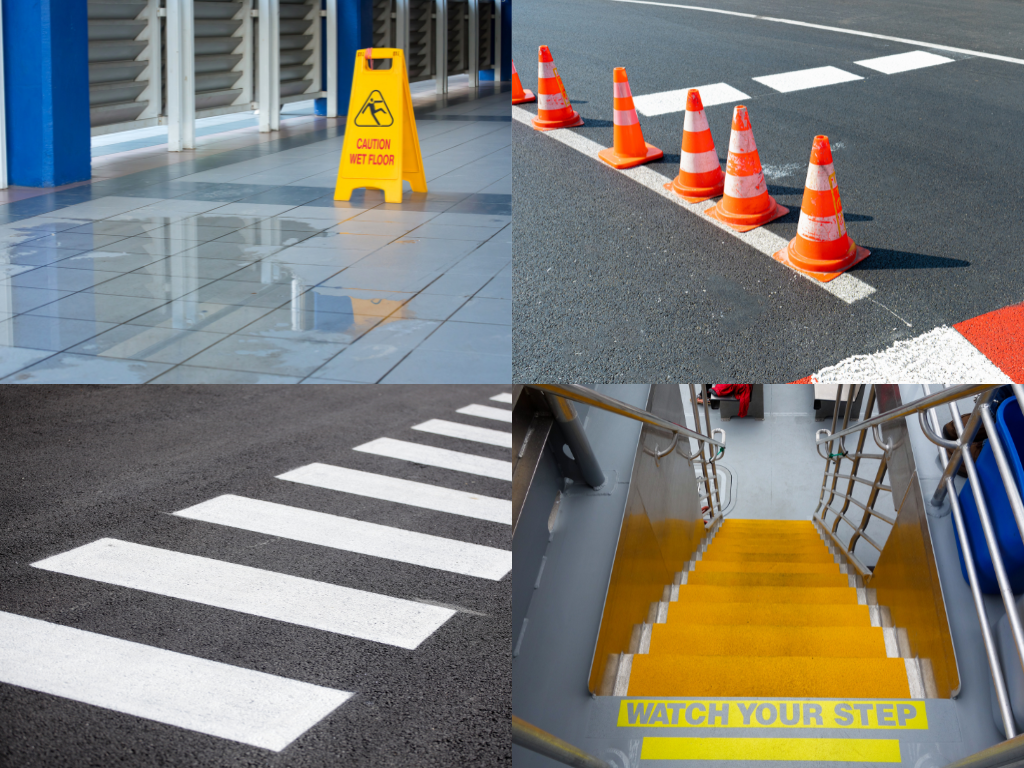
{"x": 120, "y": 71}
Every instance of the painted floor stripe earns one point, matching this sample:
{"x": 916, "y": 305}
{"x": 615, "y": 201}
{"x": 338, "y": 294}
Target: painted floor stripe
{"x": 858, "y": 33}
{"x": 199, "y": 695}
{"x": 787, "y": 82}
{"x": 675, "y": 101}
{"x": 504, "y": 397}
{"x": 277, "y": 596}
{"x": 400, "y": 491}
{"x": 466, "y": 432}
{"x": 942, "y": 354}
{"x": 438, "y": 457}
{"x": 999, "y": 336}
{"x": 903, "y": 62}
{"x": 353, "y": 536}
{"x": 487, "y": 412}
{"x": 846, "y": 287}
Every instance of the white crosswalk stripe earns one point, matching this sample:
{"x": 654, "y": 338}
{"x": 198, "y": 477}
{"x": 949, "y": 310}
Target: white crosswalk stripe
{"x": 278, "y": 596}
{"x": 466, "y": 432}
{"x": 353, "y": 536}
{"x": 787, "y": 82}
{"x": 402, "y": 492}
{"x": 487, "y": 412}
{"x": 504, "y": 397}
{"x": 438, "y": 457}
{"x": 904, "y": 62}
{"x": 185, "y": 691}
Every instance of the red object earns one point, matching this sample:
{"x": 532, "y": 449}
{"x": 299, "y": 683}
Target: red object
{"x": 739, "y": 391}
{"x": 998, "y": 336}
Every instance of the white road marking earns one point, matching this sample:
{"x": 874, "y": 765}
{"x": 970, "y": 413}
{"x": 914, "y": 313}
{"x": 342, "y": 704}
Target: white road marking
{"x": 903, "y": 62}
{"x": 353, "y": 536}
{"x": 466, "y": 432}
{"x": 199, "y": 695}
{"x": 675, "y": 101}
{"x": 787, "y": 82}
{"x": 858, "y": 33}
{"x": 400, "y": 491}
{"x": 504, "y": 397}
{"x": 438, "y": 457}
{"x": 942, "y": 354}
{"x": 277, "y": 596}
{"x": 846, "y": 287}
{"x": 486, "y": 411}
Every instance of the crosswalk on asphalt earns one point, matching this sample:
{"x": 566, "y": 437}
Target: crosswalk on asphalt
{"x": 233, "y": 702}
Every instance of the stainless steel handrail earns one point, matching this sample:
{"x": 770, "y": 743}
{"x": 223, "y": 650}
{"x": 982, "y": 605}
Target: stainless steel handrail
{"x": 533, "y": 738}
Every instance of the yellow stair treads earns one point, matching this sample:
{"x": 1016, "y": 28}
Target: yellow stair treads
{"x": 753, "y": 640}
{"x": 768, "y": 545}
{"x": 742, "y": 566}
{"x": 726, "y": 579}
{"x": 771, "y": 676}
{"x": 842, "y": 750}
{"x": 700, "y": 593}
{"x": 731, "y": 555}
{"x": 773, "y": 613}
{"x": 773, "y": 527}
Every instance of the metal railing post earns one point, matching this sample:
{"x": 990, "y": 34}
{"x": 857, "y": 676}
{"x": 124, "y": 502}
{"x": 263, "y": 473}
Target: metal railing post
{"x": 700, "y": 444}
{"x": 533, "y": 738}
{"x": 572, "y": 430}
{"x": 474, "y": 43}
{"x": 181, "y": 95}
{"x": 441, "y": 46}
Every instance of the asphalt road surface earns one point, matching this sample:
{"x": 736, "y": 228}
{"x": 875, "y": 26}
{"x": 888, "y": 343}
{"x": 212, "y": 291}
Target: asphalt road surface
{"x": 84, "y": 464}
{"x": 614, "y": 283}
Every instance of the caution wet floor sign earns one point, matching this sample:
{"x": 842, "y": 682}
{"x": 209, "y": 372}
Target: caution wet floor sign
{"x": 381, "y": 148}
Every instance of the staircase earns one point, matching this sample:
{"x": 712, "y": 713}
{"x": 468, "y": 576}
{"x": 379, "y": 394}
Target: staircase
{"x": 766, "y": 610}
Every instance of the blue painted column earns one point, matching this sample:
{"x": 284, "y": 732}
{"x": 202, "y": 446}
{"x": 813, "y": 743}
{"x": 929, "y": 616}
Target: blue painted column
{"x": 46, "y": 64}
{"x": 506, "y": 40}
{"x": 355, "y": 32}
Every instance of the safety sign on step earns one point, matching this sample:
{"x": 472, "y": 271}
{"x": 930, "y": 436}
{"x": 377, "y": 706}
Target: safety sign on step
{"x": 381, "y": 147}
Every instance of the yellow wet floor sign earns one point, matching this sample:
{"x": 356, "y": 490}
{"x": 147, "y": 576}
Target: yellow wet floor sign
{"x": 381, "y": 146}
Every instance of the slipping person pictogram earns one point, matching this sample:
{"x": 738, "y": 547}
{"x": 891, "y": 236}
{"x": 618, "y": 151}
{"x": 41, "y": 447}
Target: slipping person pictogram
{"x": 375, "y": 112}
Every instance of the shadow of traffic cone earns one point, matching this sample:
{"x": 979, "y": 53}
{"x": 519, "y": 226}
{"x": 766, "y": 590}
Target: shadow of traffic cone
{"x": 700, "y": 172}
{"x": 629, "y": 148}
{"x": 553, "y": 107}
{"x": 745, "y": 204}
{"x": 519, "y": 94}
{"x": 822, "y": 248}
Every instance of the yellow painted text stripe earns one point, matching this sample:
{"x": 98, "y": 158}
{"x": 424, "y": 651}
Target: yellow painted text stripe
{"x": 848, "y": 750}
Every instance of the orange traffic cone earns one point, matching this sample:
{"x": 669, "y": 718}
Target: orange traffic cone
{"x": 519, "y": 94}
{"x": 553, "y": 107}
{"x": 822, "y": 247}
{"x": 629, "y": 148}
{"x": 700, "y": 172}
{"x": 746, "y": 203}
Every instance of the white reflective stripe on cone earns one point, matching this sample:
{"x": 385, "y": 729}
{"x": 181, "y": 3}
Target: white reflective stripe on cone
{"x": 625, "y": 117}
{"x": 695, "y": 122}
{"x": 622, "y": 91}
{"x": 550, "y": 101}
{"x": 742, "y": 141}
{"x": 817, "y": 177}
{"x": 545, "y": 69}
{"x": 514, "y": 68}
{"x": 819, "y": 228}
{"x": 699, "y": 162}
{"x": 745, "y": 186}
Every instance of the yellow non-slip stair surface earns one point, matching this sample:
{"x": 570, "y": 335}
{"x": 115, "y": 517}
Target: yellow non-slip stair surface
{"x": 767, "y": 612}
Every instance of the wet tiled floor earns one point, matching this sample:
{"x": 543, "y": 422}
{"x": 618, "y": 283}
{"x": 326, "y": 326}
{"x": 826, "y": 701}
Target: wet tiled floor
{"x": 240, "y": 267}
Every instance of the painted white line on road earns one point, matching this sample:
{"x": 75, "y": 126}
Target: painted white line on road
{"x": 400, "y": 491}
{"x": 277, "y": 596}
{"x": 786, "y": 82}
{"x": 466, "y": 432}
{"x": 353, "y": 536}
{"x": 942, "y": 354}
{"x": 486, "y": 411}
{"x": 675, "y": 101}
{"x": 846, "y": 287}
{"x": 903, "y": 62}
{"x": 199, "y": 695}
{"x": 504, "y": 397}
{"x": 438, "y": 457}
{"x": 858, "y": 33}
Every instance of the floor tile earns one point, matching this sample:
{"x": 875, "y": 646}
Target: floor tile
{"x": 377, "y": 352}
{"x": 13, "y": 359}
{"x": 427, "y": 306}
{"x": 67, "y": 368}
{"x": 77, "y": 240}
{"x": 260, "y": 354}
{"x": 97, "y": 306}
{"x": 470, "y": 337}
{"x": 368, "y": 276}
{"x": 458, "y": 284}
{"x": 108, "y": 261}
{"x": 52, "y": 333}
{"x": 344, "y": 242}
{"x": 187, "y": 374}
{"x": 164, "y": 287}
{"x": 448, "y": 367}
{"x": 17, "y": 300}
{"x": 58, "y": 278}
{"x": 148, "y": 343}
{"x": 254, "y": 236}
{"x": 335, "y": 327}
{"x": 188, "y": 230}
{"x": 201, "y": 316}
{"x": 226, "y": 291}
{"x": 452, "y": 232}
{"x": 485, "y": 310}
{"x": 151, "y": 246}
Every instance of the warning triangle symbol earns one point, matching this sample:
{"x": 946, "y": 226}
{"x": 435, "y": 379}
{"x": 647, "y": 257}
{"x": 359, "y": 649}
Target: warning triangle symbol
{"x": 375, "y": 112}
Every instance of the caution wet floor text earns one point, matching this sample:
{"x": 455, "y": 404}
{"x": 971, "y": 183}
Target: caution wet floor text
{"x": 381, "y": 147}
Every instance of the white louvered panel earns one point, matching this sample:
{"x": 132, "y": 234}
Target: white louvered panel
{"x": 300, "y": 50}
{"x": 223, "y": 47}
{"x": 420, "y": 52}
{"x": 458, "y": 37}
{"x": 383, "y": 23}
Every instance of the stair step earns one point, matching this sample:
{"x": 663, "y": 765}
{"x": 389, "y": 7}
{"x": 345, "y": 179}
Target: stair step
{"x": 758, "y": 640}
{"x": 769, "y": 545}
{"x": 757, "y": 539}
{"x": 746, "y": 579}
{"x": 730, "y": 555}
{"x": 776, "y": 676}
{"x": 700, "y": 593}
{"x": 779, "y": 524}
{"x": 769, "y": 613}
{"x": 739, "y": 566}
